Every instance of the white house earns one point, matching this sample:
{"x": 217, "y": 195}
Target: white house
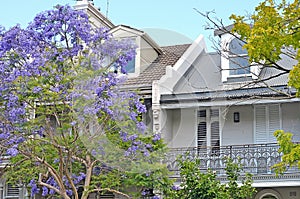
{"x": 210, "y": 105}
{"x": 215, "y": 106}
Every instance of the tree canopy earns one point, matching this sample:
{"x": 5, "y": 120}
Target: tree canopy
{"x": 272, "y": 32}
{"x": 196, "y": 184}
{"x": 66, "y": 127}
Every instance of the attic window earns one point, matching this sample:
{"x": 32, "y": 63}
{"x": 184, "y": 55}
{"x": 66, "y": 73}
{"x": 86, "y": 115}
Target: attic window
{"x": 238, "y": 58}
{"x": 130, "y": 67}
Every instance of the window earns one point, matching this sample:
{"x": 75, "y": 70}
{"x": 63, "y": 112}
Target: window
{"x": 130, "y": 67}
{"x": 267, "y": 119}
{"x": 238, "y": 58}
{"x": 208, "y": 131}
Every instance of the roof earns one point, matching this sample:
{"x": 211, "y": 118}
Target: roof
{"x": 223, "y": 30}
{"x": 169, "y": 56}
{"x": 227, "y": 95}
{"x": 138, "y": 32}
{"x": 95, "y": 12}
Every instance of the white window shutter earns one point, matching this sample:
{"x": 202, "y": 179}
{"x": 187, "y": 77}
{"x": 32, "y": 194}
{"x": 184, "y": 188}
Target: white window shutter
{"x": 274, "y": 121}
{"x": 208, "y": 127}
{"x": 215, "y": 134}
{"x": 12, "y": 192}
{"x": 202, "y": 134}
{"x": 267, "y": 120}
{"x": 260, "y": 127}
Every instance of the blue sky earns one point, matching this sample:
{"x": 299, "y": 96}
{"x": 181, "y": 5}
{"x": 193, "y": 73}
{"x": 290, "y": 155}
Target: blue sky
{"x": 172, "y": 16}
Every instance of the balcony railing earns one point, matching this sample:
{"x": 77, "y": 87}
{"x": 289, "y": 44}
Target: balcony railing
{"x": 256, "y": 159}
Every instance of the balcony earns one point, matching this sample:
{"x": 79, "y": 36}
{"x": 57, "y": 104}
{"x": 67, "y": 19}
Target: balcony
{"x": 256, "y": 159}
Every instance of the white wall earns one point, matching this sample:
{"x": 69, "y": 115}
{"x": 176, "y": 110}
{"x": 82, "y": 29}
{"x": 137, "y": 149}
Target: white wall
{"x": 181, "y": 132}
{"x": 203, "y": 75}
{"x": 180, "y": 125}
{"x": 291, "y": 119}
{"x": 167, "y": 125}
{"x": 240, "y": 132}
{"x": 147, "y": 54}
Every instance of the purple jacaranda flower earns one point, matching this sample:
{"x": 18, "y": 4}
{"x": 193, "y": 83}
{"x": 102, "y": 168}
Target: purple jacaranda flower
{"x": 34, "y": 188}
{"x": 44, "y": 191}
{"x": 141, "y": 127}
{"x": 12, "y": 151}
{"x": 175, "y": 188}
{"x": 146, "y": 153}
{"x": 156, "y": 137}
{"x": 36, "y": 89}
{"x": 133, "y": 137}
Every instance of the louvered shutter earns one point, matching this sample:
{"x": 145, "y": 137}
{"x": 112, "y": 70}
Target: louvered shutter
{"x": 208, "y": 118}
{"x": 274, "y": 121}
{"x": 202, "y": 129}
{"x": 260, "y": 125}
{"x": 12, "y": 192}
{"x": 267, "y": 121}
{"x": 215, "y": 135}
{"x": 214, "y": 128}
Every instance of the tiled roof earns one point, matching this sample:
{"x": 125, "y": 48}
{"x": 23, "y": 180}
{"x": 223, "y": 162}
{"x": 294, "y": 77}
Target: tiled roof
{"x": 157, "y": 68}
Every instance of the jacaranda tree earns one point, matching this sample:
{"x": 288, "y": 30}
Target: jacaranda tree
{"x": 66, "y": 127}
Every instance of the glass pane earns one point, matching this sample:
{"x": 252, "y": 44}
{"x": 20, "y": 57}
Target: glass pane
{"x": 239, "y": 65}
{"x": 236, "y": 47}
{"x": 130, "y": 67}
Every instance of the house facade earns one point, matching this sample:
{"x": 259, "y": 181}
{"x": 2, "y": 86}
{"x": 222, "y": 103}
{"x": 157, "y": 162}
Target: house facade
{"x": 214, "y": 105}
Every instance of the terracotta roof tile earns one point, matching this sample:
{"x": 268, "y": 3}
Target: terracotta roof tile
{"x": 157, "y": 68}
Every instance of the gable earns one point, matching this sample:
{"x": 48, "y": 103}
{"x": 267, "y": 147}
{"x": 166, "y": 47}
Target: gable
{"x": 203, "y": 75}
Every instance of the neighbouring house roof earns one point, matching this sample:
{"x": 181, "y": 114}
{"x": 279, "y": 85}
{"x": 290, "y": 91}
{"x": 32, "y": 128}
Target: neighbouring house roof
{"x": 138, "y": 32}
{"x": 223, "y": 30}
{"x": 94, "y": 12}
{"x": 168, "y": 57}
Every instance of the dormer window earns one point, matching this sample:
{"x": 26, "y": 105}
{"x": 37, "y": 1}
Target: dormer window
{"x": 130, "y": 67}
{"x": 238, "y": 58}
{"x": 235, "y": 60}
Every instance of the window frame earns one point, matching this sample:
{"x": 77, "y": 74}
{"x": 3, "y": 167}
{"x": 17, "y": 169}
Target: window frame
{"x": 209, "y": 119}
{"x": 254, "y": 68}
{"x": 237, "y": 55}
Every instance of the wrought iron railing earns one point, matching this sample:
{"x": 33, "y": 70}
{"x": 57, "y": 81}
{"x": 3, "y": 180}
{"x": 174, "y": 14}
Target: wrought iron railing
{"x": 256, "y": 159}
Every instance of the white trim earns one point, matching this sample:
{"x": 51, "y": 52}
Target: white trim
{"x": 174, "y": 74}
{"x": 196, "y": 127}
{"x": 268, "y": 192}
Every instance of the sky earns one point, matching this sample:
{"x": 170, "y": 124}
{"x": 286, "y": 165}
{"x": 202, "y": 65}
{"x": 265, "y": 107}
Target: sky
{"x": 175, "y": 21}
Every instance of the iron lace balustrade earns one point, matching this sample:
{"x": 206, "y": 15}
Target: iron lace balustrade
{"x": 256, "y": 159}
